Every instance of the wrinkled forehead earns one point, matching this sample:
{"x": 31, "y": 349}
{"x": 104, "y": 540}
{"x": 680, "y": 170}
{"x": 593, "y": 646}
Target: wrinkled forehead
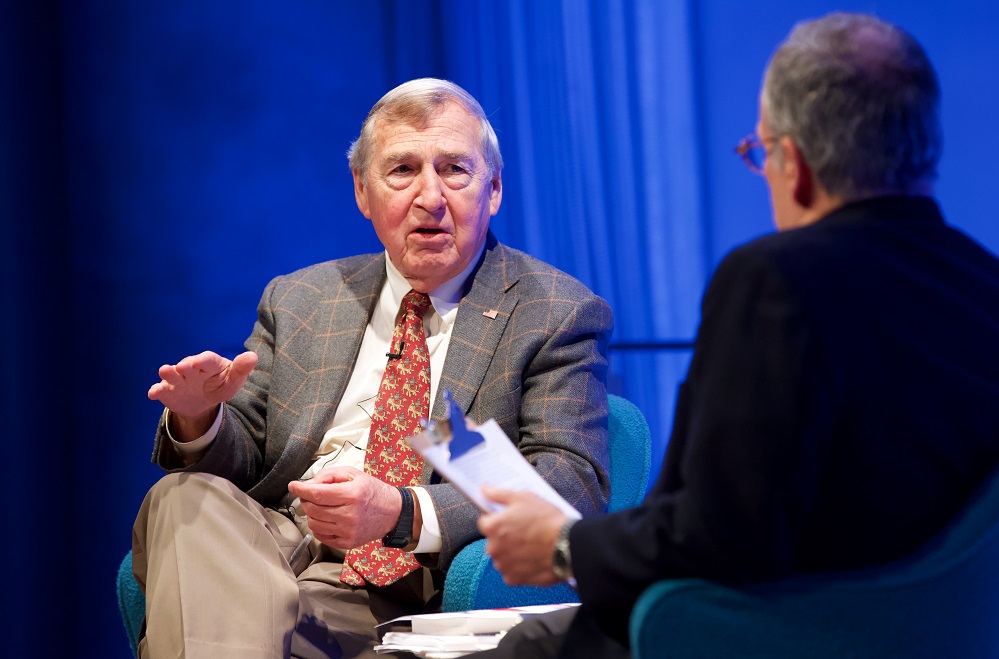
{"x": 419, "y": 114}
{"x": 448, "y": 129}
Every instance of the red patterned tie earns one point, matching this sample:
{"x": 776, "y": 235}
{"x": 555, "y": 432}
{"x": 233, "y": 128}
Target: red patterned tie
{"x": 403, "y": 399}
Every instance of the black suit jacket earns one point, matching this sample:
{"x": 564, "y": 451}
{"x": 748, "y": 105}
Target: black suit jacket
{"x": 840, "y": 407}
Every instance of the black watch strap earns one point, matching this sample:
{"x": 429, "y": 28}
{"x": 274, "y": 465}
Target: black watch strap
{"x": 402, "y": 534}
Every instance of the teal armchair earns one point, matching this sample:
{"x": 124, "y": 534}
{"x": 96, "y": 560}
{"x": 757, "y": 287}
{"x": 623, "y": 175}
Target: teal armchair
{"x": 472, "y": 582}
{"x": 941, "y": 602}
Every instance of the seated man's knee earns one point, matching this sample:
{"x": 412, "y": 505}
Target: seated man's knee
{"x": 182, "y": 487}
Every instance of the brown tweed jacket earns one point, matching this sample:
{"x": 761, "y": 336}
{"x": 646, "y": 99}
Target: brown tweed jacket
{"x": 538, "y": 368}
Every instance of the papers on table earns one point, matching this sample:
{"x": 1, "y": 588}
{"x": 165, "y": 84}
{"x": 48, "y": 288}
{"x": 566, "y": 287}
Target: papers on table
{"x": 482, "y": 621}
{"x": 446, "y": 635}
{"x": 435, "y": 647}
{"x": 469, "y": 458}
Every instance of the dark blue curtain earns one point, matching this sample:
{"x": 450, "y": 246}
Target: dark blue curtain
{"x": 160, "y": 161}
{"x": 38, "y": 357}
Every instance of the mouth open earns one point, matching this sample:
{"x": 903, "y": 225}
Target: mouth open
{"x": 430, "y": 231}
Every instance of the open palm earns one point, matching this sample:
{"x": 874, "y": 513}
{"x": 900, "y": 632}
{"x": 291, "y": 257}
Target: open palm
{"x": 198, "y": 383}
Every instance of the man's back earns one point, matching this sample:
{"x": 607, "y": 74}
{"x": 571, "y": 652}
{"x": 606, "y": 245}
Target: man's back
{"x": 891, "y": 374}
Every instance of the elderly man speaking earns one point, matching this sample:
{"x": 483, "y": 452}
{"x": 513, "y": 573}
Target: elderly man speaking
{"x": 295, "y": 516}
{"x": 840, "y": 404}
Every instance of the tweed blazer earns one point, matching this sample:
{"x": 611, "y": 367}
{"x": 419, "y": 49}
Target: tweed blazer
{"x": 538, "y": 368}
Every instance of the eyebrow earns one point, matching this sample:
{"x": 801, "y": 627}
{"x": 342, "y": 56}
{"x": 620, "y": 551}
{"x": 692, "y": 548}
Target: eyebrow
{"x": 455, "y": 155}
{"x": 408, "y": 156}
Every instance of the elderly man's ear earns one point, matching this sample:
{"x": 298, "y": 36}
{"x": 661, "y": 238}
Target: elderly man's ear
{"x": 360, "y": 194}
{"x": 495, "y": 195}
{"x": 797, "y": 173}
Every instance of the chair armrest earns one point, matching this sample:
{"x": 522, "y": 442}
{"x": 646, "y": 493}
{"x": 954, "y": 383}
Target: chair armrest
{"x": 131, "y": 602}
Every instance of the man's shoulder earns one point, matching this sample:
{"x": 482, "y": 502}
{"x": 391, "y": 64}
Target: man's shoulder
{"x": 350, "y": 277}
{"x": 789, "y": 260}
{"x": 807, "y": 246}
{"x": 535, "y": 275}
{"x": 349, "y": 268}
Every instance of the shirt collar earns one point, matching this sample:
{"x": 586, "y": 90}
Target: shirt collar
{"x": 445, "y": 298}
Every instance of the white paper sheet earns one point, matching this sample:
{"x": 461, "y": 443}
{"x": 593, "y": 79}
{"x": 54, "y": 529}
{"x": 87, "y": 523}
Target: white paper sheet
{"x": 495, "y": 461}
{"x": 447, "y": 635}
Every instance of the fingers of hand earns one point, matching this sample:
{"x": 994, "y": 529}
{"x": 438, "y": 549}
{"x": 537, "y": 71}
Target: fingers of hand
{"x": 508, "y": 564}
{"x": 205, "y": 364}
{"x": 156, "y": 391}
{"x": 170, "y": 374}
{"x": 333, "y": 534}
{"x": 487, "y": 523}
{"x": 337, "y": 475}
{"x": 328, "y": 493}
{"x": 496, "y": 494}
{"x": 521, "y": 565}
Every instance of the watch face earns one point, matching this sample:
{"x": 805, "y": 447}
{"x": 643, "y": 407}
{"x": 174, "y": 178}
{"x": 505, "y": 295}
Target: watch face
{"x": 397, "y": 542}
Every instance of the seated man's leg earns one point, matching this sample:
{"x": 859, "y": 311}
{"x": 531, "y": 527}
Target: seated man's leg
{"x": 537, "y": 637}
{"x": 563, "y": 634}
{"x": 213, "y": 564}
{"x": 587, "y": 638}
{"x": 338, "y": 620}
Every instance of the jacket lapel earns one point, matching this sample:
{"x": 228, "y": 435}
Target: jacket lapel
{"x": 346, "y": 316}
{"x": 482, "y": 318}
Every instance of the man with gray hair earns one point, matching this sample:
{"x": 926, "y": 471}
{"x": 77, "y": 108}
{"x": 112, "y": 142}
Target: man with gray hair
{"x": 840, "y": 405}
{"x": 295, "y": 517}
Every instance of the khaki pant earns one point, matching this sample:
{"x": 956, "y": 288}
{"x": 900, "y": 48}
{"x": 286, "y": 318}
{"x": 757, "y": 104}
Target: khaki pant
{"x": 213, "y": 564}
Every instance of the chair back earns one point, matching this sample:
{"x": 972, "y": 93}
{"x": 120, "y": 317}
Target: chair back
{"x": 942, "y": 601}
{"x": 630, "y": 446}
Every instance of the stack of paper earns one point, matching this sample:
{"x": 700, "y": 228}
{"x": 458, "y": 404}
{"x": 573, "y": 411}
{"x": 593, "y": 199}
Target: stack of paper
{"x": 436, "y": 647}
{"x": 448, "y": 635}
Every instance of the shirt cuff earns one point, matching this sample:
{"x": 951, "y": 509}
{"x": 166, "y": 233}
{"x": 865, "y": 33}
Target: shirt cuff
{"x": 430, "y": 533}
{"x": 198, "y": 446}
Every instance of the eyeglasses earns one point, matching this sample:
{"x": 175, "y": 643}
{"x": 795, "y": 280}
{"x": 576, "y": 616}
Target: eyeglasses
{"x": 753, "y": 150}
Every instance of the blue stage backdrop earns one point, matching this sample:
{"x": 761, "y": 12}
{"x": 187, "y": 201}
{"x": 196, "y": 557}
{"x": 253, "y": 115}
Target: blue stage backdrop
{"x": 161, "y": 161}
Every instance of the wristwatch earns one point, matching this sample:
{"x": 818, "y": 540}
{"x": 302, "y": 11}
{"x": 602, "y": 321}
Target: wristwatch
{"x": 402, "y": 534}
{"x": 561, "y": 557}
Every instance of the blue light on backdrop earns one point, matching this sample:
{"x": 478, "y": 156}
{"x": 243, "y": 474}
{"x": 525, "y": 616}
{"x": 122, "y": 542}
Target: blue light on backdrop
{"x": 162, "y": 161}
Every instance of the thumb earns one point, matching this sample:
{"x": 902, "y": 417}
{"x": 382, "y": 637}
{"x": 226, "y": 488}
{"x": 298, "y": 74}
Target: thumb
{"x": 497, "y": 495}
{"x": 243, "y": 364}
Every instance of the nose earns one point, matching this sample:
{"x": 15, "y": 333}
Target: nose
{"x": 431, "y": 192}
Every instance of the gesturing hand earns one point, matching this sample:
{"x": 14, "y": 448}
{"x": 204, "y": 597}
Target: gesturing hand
{"x": 521, "y": 537}
{"x": 347, "y": 507}
{"x": 198, "y": 383}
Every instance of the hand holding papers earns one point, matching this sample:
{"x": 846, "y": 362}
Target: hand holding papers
{"x": 469, "y": 458}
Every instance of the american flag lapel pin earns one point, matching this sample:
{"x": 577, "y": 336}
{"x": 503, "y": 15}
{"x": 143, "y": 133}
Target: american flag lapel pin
{"x": 491, "y": 314}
